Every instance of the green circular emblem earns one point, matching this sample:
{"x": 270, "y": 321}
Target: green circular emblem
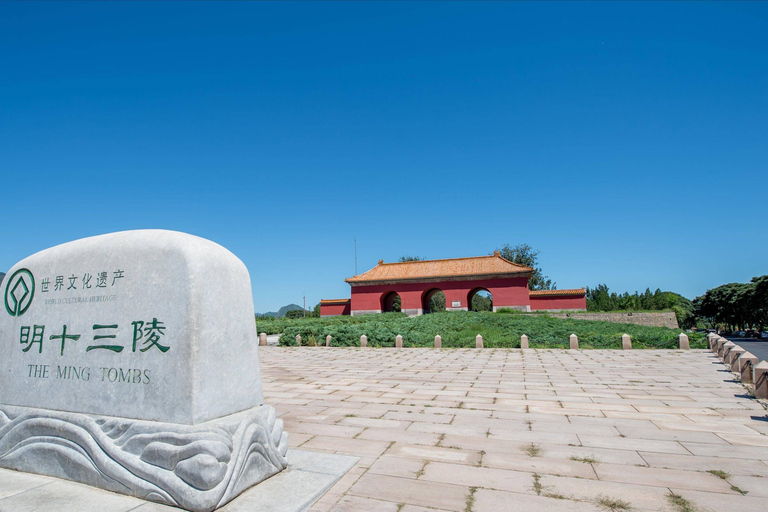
{"x": 19, "y": 292}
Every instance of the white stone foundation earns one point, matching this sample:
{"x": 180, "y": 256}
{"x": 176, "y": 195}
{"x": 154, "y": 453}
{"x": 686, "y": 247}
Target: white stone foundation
{"x": 198, "y": 468}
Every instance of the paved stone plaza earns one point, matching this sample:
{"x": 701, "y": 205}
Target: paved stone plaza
{"x": 492, "y": 430}
{"x": 505, "y": 430}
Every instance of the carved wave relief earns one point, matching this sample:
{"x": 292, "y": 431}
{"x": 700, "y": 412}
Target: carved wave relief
{"x": 198, "y": 468}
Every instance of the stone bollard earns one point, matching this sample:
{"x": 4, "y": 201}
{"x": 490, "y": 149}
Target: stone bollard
{"x": 626, "y": 342}
{"x": 760, "y": 378}
{"x": 328, "y": 341}
{"x": 712, "y": 341}
{"x": 363, "y": 340}
{"x": 399, "y": 341}
{"x": 725, "y": 350}
{"x": 298, "y": 339}
{"x": 523, "y": 341}
{"x": 733, "y": 357}
{"x": 746, "y": 362}
{"x": 719, "y": 346}
{"x": 683, "y": 342}
{"x": 574, "y": 341}
{"x": 263, "y": 339}
{"x": 438, "y": 341}
{"x": 478, "y": 341}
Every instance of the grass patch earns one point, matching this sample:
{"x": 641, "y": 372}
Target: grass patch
{"x": 740, "y": 491}
{"x": 533, "y": 450}
{"x": 470, "y": 499}
{"x": 421, "y": 471}
{"x": 681, "y": 504}
{"x": 612, "y": 504}
{"x": 537, "y": 483}
{"x": 585, "y": 460}
{"x": 720, "y": 474}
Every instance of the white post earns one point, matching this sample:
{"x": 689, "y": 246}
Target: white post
{"x": 726, "y": 349}
{"x": 363, "y": 340}
{"x": 438, "y": 341}
{"x": 298, "y": 339}
{"x": 760, "y": 378}
{"x": 574, "y": 341}
{"x": 328, "y": 341}
{"x": 733, "y": 357}
{"x": 626, "y": 342}
{"x": 684, "y": 343}
{"x": 263, "y": 339}
{"x": 399, "y": 341}
{"x": 523, "y": 341}
{"x": 478, "y": 341}
{"x": 746, "y": 363}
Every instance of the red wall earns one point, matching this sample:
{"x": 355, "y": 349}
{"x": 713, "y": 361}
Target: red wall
{"x": 335, "y": 309}
{"x": 506, "y": 292}
{"x": 561, "y": 302}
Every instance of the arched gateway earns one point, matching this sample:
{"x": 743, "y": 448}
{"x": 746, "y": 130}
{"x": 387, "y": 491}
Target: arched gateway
{"x": 459, "y": 279}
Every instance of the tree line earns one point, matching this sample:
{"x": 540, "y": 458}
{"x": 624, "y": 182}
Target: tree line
{"x": 600, "y": 298}
{"x": 735, "y": 306}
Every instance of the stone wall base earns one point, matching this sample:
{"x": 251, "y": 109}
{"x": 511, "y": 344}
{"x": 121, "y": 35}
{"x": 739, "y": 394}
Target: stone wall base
{"x": 194, "y": 467}
{"x": 525, "y": 309}
{"x": 660, "y": 319}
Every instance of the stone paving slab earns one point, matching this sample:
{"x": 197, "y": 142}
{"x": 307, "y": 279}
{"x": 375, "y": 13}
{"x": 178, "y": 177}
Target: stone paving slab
{"x": 308, "y": 476}
{"x": 536, "y": 430}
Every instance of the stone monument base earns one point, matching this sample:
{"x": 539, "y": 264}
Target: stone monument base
{"x": 198, "y": 468}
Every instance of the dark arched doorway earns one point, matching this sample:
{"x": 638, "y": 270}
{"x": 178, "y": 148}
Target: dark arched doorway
{"x": 390, "y": 302}
{"x": 433, "y": 301}
{"x": 480, "y": 299}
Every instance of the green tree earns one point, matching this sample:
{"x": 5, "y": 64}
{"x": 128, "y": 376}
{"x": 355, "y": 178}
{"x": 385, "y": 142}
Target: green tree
{"x": 482, "y": 303}
{"x": 437, "y": 302}
{"x": 403, "y": 259}
{"x": 295, "y": 313}
{"x": 736, "y": 305}
{"x": 524, "y": 254}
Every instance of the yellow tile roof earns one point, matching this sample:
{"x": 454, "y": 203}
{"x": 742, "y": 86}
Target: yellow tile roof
{"x": 554, "y": 293}
{"x": 334, "y": 301}
{"x": 448, "y": 268}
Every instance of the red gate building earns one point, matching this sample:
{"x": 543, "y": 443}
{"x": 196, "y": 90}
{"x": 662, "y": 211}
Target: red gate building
{"x": 416, "y": 282}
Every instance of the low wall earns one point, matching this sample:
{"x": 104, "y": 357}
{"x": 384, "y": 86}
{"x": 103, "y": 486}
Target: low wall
{"x": 660, "y": 319}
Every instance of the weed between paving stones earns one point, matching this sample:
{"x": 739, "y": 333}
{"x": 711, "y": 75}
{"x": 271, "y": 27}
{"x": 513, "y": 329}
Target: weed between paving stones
{"x": 542, "y": 490}
{"x": 612, "y": 504}
{"x": 681, "y": 504}
{"x": 470, "y": 499}
{"x": 585, "y": 460}
{"x": 533, "y": 450}
{"x": 725, "y": 476}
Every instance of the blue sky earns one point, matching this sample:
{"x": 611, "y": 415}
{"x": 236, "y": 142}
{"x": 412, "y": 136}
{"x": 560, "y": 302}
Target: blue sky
{"x": 624, "y": 141}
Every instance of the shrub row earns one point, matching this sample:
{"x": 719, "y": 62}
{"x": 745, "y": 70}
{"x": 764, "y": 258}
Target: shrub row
{"x": 458, "y": 329}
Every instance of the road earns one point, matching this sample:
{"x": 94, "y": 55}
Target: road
{"x": 758, "y": 347}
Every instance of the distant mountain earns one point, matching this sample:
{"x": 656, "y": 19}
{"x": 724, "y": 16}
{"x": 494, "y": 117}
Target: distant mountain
{"x": 282, "y": 311}
{"x": 285, "y": 309}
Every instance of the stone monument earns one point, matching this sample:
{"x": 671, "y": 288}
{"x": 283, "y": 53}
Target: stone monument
{"x": 130, "y": 362}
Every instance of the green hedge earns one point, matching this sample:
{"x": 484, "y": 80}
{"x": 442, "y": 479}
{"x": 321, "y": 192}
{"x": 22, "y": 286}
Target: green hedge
{"x": 459, "y": 328}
